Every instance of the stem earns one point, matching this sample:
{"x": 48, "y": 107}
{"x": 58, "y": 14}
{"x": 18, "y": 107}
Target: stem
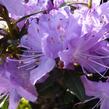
{"x": 10, "y": 27}
{"x": 7, "y": 19}
{"x": 89, "y": 3}
{"x": 80, "y": 3}
{"x": 22, "y": 18}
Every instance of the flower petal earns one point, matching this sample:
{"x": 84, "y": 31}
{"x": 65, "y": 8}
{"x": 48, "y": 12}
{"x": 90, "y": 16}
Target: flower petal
{"x": 45, "y": 66}
{"x": 29, "y": 93}
{"x": 105, "y": 104}
{"x": 13, "y": 99}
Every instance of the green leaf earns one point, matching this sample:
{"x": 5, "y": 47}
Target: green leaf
{"x": 74, "y": 85}
{"x": 50, "y": 86}
{"x": 5, "y": 104}
{"x": 68, "y": 98}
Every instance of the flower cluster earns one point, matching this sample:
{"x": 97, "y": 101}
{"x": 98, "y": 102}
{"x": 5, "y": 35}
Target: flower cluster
{"x": 39, "y": 34}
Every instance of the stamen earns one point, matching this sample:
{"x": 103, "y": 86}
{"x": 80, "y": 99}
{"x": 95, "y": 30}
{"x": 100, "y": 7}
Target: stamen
{"x": 97, "y": 71}
{"x": 91, "y": 99}
{"x": 107, "y": 50}
{"x": 33, "y": 67}
{"x": 29, "y": 64}
{"x": 21, "y": 60}
{"x": 104, "y": 73}
{"x": 26, "y": 60}
{"x": 84, "y": 71}
{"x": 95, "y": 56}
{"x": 30, "y": 61}
{"x": 31, "y": 51}
{"x": 30, "y": 55}
{"x": 105, "y": 66}
{"x": 96, "y": 104}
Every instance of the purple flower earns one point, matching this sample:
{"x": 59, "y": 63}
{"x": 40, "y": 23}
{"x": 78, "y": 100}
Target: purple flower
{"x": 34, "y": 57}
{"x": 15, "y": 7}
{"x": 98, "y": 90}
{"x": 19, "y": 8}
{"x": 13, "y": 83}
{"x": 90, "y": 51}
{"x": 92, "y": 19}
{"x": 33, "y": 6}
{"x": 103, "y": 10}
{"x": 58, "y": 26}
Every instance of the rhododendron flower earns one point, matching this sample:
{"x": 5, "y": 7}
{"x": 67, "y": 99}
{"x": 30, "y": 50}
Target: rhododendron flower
{"x": 94, "y": 18}
{"x": 98, "y": 90}
{"x": 41, "y": 64}
{"x": 19, "y": 8}
{"x": 41, "y": 35}
{"x": 13, "y": 83}
{"x": 38, "y": 5}
{"x": 90, "y": 51}
{"x": 58, "y": 27}
{"x": 15, "y": 7}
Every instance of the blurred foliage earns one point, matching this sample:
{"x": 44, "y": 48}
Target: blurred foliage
{"x": 24, "y": 104}
{"x": 5, "y": 105}
{"x": 62, "y": 90}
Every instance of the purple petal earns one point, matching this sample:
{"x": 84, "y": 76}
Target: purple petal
{"x": 90, "y": 87}
{"x": 13, "y": 99}
{"x": 51, "y": 46}
{"x": 45, "y": 66}
{"x": 15, "y": 7}
{"x": 29, "y": 93}
{"x": 66, "y": 57}
{"x": 104, "y": 104}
